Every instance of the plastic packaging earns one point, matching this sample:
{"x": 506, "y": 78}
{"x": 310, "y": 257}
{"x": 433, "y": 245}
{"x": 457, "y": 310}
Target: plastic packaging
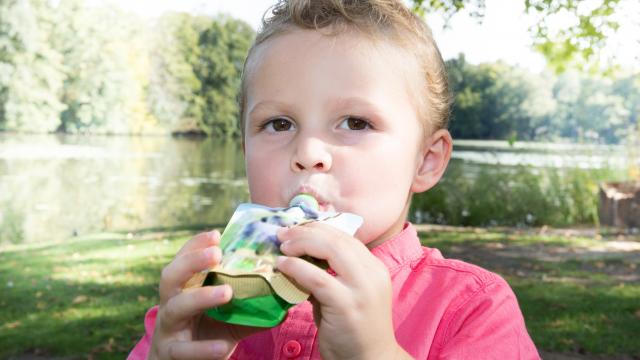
{"x": 261, "y": 294}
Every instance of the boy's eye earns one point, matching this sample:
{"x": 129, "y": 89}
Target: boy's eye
{"x": 279, "y": 124}
{"x": 354, "y": 123}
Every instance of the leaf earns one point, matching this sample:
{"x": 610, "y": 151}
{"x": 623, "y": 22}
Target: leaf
{"x": 13, "y": 325}
{"x": 80, "y": 299}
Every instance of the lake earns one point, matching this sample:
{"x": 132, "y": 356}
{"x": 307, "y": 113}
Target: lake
{"x": 53, "y": 187}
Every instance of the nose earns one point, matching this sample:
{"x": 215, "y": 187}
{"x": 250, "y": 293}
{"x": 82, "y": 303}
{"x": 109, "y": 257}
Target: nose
{"x": 311, "y": 154}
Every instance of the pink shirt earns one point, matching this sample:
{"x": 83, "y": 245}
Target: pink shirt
{"x": 442, "y": 309}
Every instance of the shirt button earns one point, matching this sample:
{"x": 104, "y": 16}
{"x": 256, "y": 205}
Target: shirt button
{"x": 291, "y": 349}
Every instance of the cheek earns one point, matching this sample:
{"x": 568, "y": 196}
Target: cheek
{"x": 264, "y": 179}
{"x": 382, "y": 169}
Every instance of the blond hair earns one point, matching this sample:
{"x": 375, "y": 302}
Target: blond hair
{"x": 388, "y": 20}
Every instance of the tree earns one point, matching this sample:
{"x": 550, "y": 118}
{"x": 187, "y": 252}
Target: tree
{"x": 577, "y": 44}
{"x": 104, "y": 80}
{"x": 174, "y": 88}
{"x": 497, "y": 101}
{"x": 223, "y": 47}
{"x": 590, "y": 109}
{"x": 30, "y": 76}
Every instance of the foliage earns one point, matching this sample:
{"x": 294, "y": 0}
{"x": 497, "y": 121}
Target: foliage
{"x": 30, "y": 74}
{"x": 72, "y": 67}
{"x": 103, "y": 78}
{"x": 497, "y": 101}
{"x": 578, "y": 42}
{"x": 513, "y": 196}
{"x": 224, "y": 45}
{"x": 174, "y": 87}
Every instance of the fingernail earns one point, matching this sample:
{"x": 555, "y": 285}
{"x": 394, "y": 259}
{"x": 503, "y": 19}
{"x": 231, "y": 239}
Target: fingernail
{"x": 222, "y": 292}
{"x": 284, "y": 246}
{"x": 218, "y": 349}
{"x": 280, "y": 260}
{"x": 211, "y": 253}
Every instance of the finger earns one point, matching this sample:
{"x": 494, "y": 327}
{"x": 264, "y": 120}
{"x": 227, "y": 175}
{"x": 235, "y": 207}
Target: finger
{"x": 212, "y": 349}
{"x": 200, "y": 241}
{"x": 183, "y": 307}
{"x": 325, "y": 242}
{"x": 324, "y": 287}
{"x": 175, "y": 275}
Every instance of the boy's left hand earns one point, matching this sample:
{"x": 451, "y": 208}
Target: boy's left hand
{"x": 352, "y": 309}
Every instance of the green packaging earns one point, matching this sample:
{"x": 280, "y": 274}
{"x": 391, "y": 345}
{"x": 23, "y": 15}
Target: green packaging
{"x": 261, "y": 294}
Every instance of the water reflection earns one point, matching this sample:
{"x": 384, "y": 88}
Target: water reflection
{"x": 52, "y": 187}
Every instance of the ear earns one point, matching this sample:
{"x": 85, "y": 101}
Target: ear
{"x": 433, "y": 161}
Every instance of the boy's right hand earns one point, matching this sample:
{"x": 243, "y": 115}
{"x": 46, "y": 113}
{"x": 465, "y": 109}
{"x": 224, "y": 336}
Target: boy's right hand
{"x": 182, "y": 331}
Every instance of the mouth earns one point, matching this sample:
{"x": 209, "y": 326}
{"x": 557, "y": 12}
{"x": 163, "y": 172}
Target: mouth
{"x": 323, "y": 204}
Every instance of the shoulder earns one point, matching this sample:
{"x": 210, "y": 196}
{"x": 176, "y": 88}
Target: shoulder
{"x": 466, "y": 276}
{"x": 479, "y": 308}
{"x": 464, "y": 290}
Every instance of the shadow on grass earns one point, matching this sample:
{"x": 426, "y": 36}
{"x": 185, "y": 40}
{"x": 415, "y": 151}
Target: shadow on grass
{"x": 598, "y": 319}
{"x": 82, "y": 297}
{"x": 88, "y": 296}
{"x": 575, "y": 296}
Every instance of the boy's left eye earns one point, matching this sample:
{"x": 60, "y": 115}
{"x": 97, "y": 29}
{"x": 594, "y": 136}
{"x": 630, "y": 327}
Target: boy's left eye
{"x": 354, "y": 123}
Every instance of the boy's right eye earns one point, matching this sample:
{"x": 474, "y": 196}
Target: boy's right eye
{"x": 278, "y": 124}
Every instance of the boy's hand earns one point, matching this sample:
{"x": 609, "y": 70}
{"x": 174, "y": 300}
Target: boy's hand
{"x": 351, "y": 309}
{"x": 182, "y": 331}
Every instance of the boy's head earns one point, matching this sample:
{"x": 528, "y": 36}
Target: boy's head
{"x": 346, "y": 100}
{"x": 378, "y": 21}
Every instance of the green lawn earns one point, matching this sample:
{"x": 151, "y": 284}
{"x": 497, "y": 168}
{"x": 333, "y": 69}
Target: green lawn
{"x": 575, "y": 298}
{"x": 86, "y": 297}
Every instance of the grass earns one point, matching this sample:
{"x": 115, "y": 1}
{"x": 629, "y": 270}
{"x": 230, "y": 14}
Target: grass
{"x": 587, "y": 304}
{"x": 86, "y": 297}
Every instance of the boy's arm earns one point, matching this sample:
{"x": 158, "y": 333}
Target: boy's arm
{"x": 489, "y": 325}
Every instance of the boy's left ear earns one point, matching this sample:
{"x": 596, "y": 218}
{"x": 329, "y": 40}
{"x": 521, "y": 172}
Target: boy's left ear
{"x": 435, "y": 158}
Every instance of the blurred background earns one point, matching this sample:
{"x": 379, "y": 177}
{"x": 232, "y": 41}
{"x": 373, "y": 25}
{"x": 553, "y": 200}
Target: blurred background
{"x": 122, "y": 115}
{"x": 118, "y": 134}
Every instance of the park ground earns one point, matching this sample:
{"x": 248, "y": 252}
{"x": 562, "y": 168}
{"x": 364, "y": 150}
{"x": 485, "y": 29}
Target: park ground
{"x": 85, "y": 297}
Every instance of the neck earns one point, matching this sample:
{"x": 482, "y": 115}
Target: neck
{"x": 393, "y": 230}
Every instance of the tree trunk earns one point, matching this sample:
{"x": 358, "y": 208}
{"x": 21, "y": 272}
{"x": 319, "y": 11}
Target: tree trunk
{"x": 620, "y": 204}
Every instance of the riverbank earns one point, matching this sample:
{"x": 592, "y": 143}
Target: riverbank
{"x": 85, "y": 297}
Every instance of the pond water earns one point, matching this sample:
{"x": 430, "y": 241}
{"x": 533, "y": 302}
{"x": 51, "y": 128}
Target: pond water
{"x": 53, "y": 187}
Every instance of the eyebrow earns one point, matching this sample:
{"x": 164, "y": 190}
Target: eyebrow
{"x": 354, "y": 101}
{"x": 270, "y": 104}
{"x": 336, "y": 103}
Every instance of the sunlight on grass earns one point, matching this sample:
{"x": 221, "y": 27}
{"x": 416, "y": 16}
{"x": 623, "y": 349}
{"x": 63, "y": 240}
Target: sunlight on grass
{"x": 97, "y": 289}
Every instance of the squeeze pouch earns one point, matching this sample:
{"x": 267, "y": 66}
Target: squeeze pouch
{"x": 262, "y": 294}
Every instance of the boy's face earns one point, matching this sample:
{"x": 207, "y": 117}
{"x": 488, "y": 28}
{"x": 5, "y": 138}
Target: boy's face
{"x": 335, "y": 117}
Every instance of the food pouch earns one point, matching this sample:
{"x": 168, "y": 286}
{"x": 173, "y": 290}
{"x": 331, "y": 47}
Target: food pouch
{"x": 261, "y": 294}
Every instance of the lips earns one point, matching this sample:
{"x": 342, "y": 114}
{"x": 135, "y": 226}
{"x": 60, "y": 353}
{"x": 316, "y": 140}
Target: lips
{"x": 323, "y": 203}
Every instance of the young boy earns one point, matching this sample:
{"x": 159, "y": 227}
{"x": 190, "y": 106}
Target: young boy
{"x": 346, "y": 100}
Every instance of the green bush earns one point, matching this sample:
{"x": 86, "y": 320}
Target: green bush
{"x": 512, "y": 196}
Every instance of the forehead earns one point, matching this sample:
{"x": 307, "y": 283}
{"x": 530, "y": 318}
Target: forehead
{"x": 307, "y": 62}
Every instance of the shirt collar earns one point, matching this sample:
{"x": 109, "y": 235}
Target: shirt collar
{"x": 400, "y": 249}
